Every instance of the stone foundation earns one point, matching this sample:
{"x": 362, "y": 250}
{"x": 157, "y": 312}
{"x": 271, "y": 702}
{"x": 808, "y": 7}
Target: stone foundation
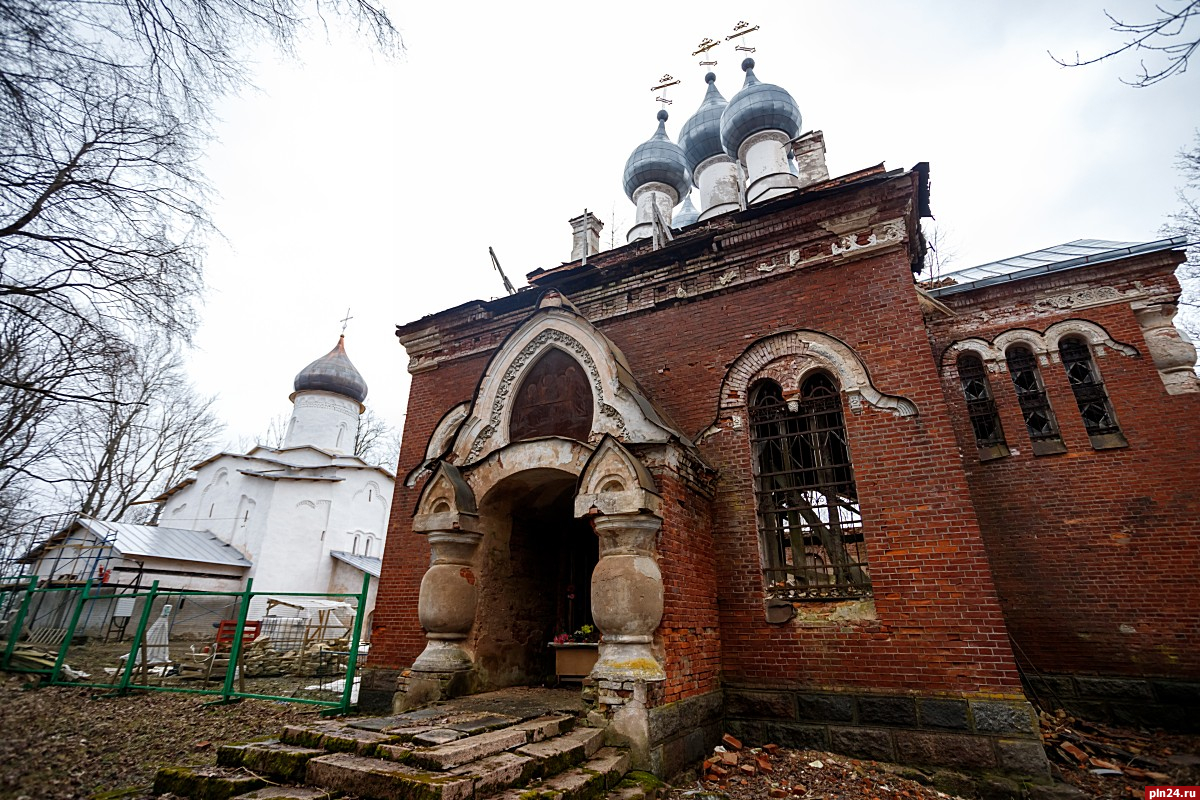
{"x": 376, "y": 689}
{"x": 684, "y": 732}
{"x": 1152, "y": 702}
{"x": 970, "y": 734}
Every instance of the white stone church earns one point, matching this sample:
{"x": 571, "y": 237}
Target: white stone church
{"x": 308, "y": 516}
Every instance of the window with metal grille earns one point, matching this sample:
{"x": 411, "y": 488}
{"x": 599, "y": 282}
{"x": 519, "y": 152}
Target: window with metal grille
{"x": 1035, "y": 405}
{"x": 809, "y": 521}
{"x": 1090, "y": 395}
{"x": 981, "y": 406}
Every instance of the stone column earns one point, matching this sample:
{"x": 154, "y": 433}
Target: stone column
{"x": 446, "y": 607}
{"x": 627, "y": 597}
{"x": 1174, "y": 356}
{"x": 652, "y": 198}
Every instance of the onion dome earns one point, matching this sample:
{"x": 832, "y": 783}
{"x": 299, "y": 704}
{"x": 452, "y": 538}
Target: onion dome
{"x": 687, "y": 215}
{"x": 757, "y": 107}
{"x": 700, "y": 136}
{"x": 332, "y": 372}
{"x": 657, "y": 159}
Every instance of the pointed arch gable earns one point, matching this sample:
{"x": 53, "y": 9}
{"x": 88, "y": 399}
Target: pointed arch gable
{"x": 617, "y": 407}
{"x": 446, "y": 502}
{"x": 615, "y": 481}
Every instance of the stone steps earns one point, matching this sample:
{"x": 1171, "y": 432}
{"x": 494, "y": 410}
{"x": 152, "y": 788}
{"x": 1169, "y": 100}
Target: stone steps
{"x": 414, "y": 757}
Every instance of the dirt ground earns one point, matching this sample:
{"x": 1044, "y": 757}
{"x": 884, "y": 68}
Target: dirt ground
{"x": 67, "y": 742}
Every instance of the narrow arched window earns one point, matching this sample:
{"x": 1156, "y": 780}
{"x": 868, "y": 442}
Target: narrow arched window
{"x": 981, "y": 407}
{"x": 1090, "y": 395}
{"x": 1035, "y": 405}
{"x": 810, "y": 526}
{"x": 367, "y": 547}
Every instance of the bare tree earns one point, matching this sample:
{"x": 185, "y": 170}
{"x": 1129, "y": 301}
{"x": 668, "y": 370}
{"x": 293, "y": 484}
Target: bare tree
{"x": 103, "y": 110}
{"x": 1166, "y": 38}
{"x": 377, "y": 441}
{"x": 939, "y": 251}
{"x": 1186, "y": 222}
{"x": 113, "y": 456}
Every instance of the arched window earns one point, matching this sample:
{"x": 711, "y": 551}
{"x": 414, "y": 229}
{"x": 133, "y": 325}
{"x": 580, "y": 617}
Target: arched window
{"x": 1090, "y": 395}
{"x": 1035, "y": 406}
{"x": 809, "y": 522}
{"x": 354, "y": 545}
{"x": 367, "y": 547}
{"x": 981, "y": 407}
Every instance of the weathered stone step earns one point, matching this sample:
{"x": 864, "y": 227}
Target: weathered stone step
{"x": 385, "y": 780}
{"x": 464, "y": 751}
{"x": 563, "y": 752}
{"x": 336, "y": 738}
{"x": 286, "y": 793}
{"x": 274, "y": 759}
{"x": 589, "y": 781}
{"x": 205, "y": 783}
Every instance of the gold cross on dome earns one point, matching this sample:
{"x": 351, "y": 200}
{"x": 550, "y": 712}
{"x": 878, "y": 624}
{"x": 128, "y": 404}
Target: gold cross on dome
{"x": 739, "y": 30}
{"x": 667, "y": 80}
{"x": 702, "y": 49}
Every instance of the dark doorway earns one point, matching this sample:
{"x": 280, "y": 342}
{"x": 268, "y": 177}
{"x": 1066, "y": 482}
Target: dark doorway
{"x": 538, "y": 579}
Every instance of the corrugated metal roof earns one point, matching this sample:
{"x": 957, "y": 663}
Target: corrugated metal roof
{"x": 1078, "y": 253}
{"x": 155, "y": 542}
{"x": 368, "y": 564}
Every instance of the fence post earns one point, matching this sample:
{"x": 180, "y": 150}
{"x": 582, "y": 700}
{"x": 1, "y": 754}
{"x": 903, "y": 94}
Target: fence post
{"x": 62, "y": 651}
{"x": 356, "y": 634}
{"x": 19, "y": 622}
{"x": 235, "y": 648}
{"x": 123, "y": 686}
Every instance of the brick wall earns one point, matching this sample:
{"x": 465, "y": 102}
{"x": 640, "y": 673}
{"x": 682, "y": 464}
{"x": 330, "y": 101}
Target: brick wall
{"x": 1094, "y": 552}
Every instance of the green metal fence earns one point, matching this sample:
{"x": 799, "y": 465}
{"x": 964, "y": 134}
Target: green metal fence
{"x": 150, "y": 661}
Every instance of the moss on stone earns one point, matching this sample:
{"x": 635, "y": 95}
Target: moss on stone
{"x": 117, "y": 794}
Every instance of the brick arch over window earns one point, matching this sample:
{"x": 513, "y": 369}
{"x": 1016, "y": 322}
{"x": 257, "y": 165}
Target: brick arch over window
{"x": 1045, "y": 346}
{"x": 789, "y": 357}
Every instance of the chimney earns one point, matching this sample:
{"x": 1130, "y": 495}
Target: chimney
{"x": 809, "y": 150}
{"x": 585, "y": 235}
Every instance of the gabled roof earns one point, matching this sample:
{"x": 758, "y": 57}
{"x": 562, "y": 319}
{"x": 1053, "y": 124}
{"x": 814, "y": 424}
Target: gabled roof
{"x": 151, "y": 541}
{"x": 1079, "y": 253}
{"x": 368, "y": 564}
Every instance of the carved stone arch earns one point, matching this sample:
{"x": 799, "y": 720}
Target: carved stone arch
{"x": 990, "y": 356}
{"x": 802, "y": 353}
{"x": 619, "y": 408}
{"x": 1026, "y": 336}
{"x": 446, "y": 503}
{"x": 615, "y": 481}
{"x": 1092, "y": 333}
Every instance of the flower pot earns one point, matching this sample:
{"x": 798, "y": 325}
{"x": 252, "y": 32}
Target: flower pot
{"x": 574, "y": 661}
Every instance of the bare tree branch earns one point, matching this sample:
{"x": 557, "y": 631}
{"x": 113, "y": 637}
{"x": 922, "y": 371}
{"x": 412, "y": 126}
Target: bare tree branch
{"x": 1165, "y": 38}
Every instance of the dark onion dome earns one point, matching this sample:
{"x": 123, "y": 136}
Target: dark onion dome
{"x": 687, "y": 215}
{"x": 700, "y": 136}
{"x": 757, "y": 107}
{"x": 657, "y": 159}
{"x": 332, "y": 372}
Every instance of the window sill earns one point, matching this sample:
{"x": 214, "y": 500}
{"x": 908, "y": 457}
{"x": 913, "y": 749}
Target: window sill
{"x": 993, "y": 452}
{"x": 1109, "y": 441}
{"x": 1049, "y": 447}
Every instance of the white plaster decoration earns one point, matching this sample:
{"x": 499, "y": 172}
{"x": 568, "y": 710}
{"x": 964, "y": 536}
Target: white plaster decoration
{"x": 1043, "y": 345}
{"x": 1090, "y": 297}
{"x": 1173, "y": 353}
{"x": 800, "y": 353}
{"x": 790, "y": 259}
{"x": 440, "y": 440}
{"x": 884, "y": 234}
{"x": 422, "y": 347}
{"x": 727, "y": 278}
{"x": 557, "y": 324}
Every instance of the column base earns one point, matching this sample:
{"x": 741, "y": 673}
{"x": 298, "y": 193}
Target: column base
{"x": 418, "y": 688}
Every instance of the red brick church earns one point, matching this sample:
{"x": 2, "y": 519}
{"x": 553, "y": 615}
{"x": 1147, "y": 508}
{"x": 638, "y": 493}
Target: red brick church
{"x": 802, "y": 496}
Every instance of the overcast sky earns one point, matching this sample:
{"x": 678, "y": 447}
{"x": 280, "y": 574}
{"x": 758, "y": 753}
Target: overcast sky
{"x": 346, "y": 180}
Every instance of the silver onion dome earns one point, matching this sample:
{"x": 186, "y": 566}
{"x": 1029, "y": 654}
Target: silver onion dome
{"x": 657, "y": 159}
{"x": 332, "y": 372}
{"x": 757, "y": 107}
{"x": 686, "y": 215}
{"x": 700, "y": 136}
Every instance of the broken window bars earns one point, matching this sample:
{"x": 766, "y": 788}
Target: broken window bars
{"x": 1090, "y": 395}
{"x": 809, "y": 518}
{"x": 981, "y": 406}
